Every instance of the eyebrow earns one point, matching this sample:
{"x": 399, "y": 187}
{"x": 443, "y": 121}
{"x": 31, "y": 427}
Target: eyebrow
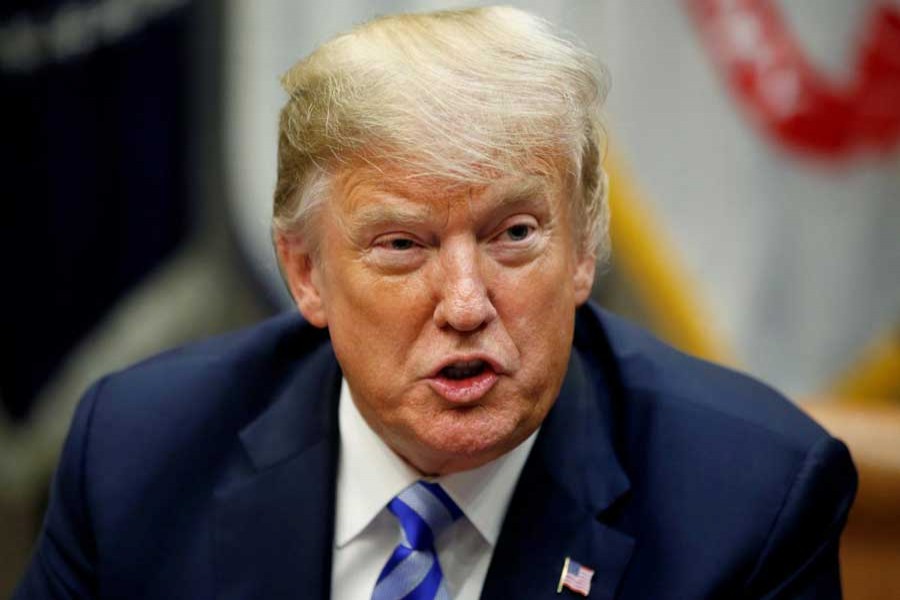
{"x": 517, "y": 191}
{"x": 502, "y": 194}
{"x": 379, "y": 214}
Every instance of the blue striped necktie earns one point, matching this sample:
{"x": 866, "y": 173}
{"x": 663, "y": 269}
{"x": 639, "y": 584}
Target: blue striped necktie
{"x": 412, "y": 572}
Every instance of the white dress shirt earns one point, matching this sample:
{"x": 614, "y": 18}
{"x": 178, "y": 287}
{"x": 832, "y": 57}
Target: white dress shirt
{"x": 366, "y": 533}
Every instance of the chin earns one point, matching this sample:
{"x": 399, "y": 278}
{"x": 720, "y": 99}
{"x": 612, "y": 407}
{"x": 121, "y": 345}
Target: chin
{"x": 462, "y": 439}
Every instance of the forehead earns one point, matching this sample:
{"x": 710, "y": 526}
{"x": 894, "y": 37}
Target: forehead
{"x": 362, "y": 190}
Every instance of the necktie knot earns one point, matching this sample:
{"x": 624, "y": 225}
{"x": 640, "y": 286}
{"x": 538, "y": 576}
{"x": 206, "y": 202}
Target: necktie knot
{"x": 423, "y": 511}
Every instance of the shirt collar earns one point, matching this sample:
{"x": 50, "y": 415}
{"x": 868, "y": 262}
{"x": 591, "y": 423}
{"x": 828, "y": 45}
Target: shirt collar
{"x": 370, "y": 474}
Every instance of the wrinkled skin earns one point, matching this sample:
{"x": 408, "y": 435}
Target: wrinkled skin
{"x": 409, "y": 276}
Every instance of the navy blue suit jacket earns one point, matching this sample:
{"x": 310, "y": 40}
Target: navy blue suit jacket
{"x": 209, "y": 472}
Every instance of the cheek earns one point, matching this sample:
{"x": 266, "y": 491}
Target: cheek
{"x": 538, "y": 310}
{"x": 361, "y": 294}
{"x": 374, "y": 320}
{"x": 535, "y": 296}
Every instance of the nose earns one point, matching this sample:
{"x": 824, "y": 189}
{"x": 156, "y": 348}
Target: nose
{"x": 464, "y": 298}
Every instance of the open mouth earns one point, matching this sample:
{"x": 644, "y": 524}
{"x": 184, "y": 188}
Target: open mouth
{"x": 464, "y": 369}
{"x": 464, "y": 381}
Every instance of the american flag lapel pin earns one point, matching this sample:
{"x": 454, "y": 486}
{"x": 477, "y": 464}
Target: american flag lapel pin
{"x": 575, "y": 577}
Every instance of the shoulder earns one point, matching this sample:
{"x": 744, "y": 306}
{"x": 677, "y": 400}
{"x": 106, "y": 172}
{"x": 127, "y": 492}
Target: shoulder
{"x": 147, "y": 448}
{"x": 234, "y": 372}
{"x": 262, "y": 345}
{"x": 727, "y": 475}
{"x": 661, "y": 380}
{"x": 171, "y": 422}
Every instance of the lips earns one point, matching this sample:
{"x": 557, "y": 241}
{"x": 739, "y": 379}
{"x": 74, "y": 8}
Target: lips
{"x": 465, "y": 379}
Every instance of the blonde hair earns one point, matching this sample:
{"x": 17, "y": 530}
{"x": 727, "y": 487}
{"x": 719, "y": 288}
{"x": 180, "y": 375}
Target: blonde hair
{"x": 461, "y": 96}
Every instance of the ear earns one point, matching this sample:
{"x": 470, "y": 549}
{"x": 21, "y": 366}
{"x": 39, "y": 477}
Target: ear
{"x": 303, "y": 276}
{"x": 583, "y": 277}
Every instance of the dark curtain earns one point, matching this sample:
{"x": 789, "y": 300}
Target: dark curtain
{"x": 94, "y": 183}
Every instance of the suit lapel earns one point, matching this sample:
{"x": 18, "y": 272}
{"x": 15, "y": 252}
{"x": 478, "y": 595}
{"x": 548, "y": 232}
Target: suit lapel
{"x": 274, "y": 515}
{"x": 570, "y": 479}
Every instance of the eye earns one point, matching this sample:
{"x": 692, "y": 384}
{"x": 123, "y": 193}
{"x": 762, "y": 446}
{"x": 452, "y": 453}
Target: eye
{"x": 517, "y": 239}
{"x": 519, "y": 232}
{"x": 401, "y": 244}
{"x": 396, "y": 252}
{"x": 396, "y": 243}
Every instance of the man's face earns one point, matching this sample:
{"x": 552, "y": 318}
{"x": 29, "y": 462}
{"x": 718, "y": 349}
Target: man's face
{"x": 451, "y": 313}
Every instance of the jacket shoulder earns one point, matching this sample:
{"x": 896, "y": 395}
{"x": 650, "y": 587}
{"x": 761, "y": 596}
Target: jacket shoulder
{"x": 175, "y": 417}
{"x": 661, "y": 378}
{"x": 147, "y": 450}
{"x": 735, "y": 492}
{"x": 209, "y": 375}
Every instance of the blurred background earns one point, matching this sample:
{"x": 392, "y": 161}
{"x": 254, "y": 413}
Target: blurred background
{"x": 754, "y": 158}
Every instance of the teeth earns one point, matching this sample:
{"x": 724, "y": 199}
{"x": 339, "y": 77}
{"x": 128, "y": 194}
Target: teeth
{"x": 464, "y": 369}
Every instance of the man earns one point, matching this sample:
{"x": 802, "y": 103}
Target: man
{"x": 450, "y": 420}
